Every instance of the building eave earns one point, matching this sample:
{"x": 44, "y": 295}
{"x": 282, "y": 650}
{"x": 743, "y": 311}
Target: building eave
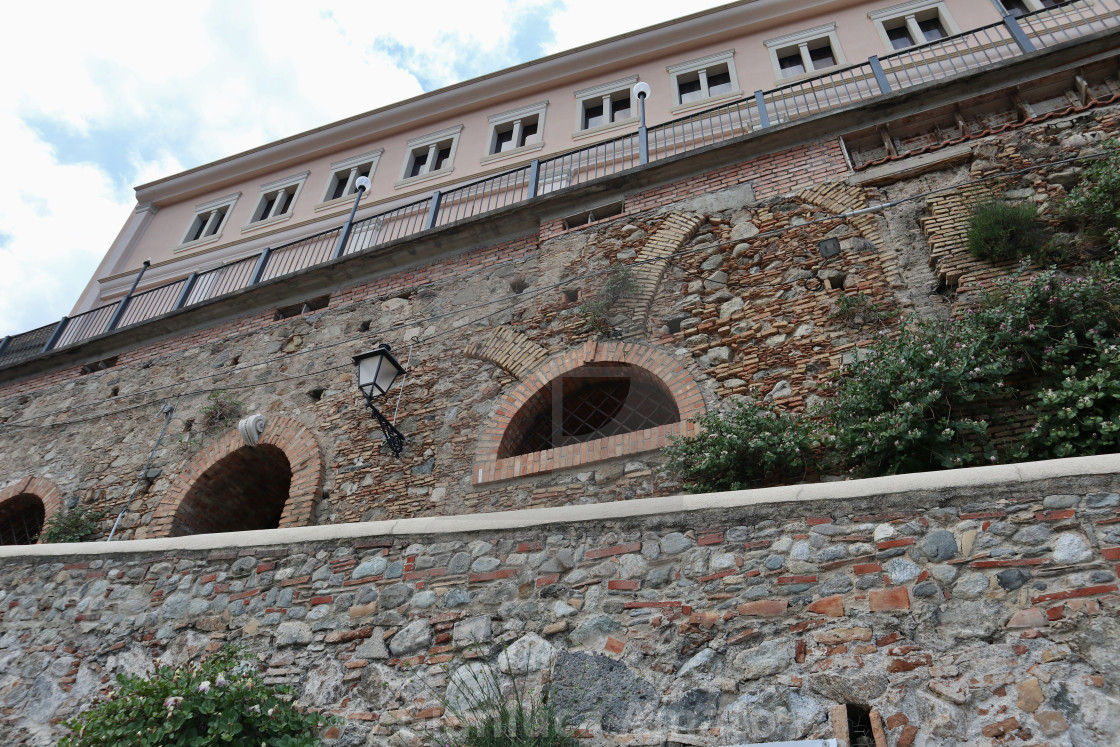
{"x": 707, "y": 26}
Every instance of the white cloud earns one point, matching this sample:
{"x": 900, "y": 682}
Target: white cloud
{"x": 585, "y": 21}
{"x": 55, "y": 219}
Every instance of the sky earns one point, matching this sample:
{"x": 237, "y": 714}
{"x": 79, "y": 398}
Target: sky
{"x": 97, "y": 98}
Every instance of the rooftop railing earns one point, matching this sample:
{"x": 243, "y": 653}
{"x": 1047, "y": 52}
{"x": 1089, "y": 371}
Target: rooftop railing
{"x": 878, "y": 76}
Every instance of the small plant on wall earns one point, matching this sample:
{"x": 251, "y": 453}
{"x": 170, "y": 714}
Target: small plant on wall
{"x": 75, "y": 525}
{"x": 490, "y": 715}
{"x": 596, "y": 312}
{"x": 222, "y": 409}
{"x": 221, "y": 700}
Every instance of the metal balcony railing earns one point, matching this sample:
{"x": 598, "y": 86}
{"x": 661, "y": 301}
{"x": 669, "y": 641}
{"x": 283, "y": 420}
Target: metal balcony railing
{"x": 944, "y": 58}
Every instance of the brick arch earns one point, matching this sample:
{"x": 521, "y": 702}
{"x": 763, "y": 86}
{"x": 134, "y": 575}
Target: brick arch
{"x": 282, "y": 434}
{"x": 670, "y": 371}
{"x": 49, "y": 495}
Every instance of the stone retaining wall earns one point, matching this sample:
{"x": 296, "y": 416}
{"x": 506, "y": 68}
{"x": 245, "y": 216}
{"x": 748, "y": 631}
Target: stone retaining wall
{"x": 968, "y": 607}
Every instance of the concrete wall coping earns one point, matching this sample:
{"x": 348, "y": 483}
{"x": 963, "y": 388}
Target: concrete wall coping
{"x": 996, "y": 476}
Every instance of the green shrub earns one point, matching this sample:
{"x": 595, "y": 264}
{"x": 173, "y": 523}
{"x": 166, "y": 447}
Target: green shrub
{"x": 1094, "y": 204}
{"x": 1000, "y": 230}
{"x": 75, "y": 525}
{"x": 743, "y": 448}
{"x": 221, "y": 700}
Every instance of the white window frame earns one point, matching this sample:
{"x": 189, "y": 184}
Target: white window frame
{"x": 801, "y": 41}
{"x": 291, "y": 184}
{"x": 515, "y": 117}
{"x": 428, "y": 142}
{"x": 603, "y": 94}
{"x": 701, "y": 65}
{"x": 1033, "y": 6}
{"x": 206, "y": 213}
{"x": 349, "y": 169}
{"x": 910, "y": 14}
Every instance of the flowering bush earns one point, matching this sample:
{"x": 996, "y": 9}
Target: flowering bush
{"x": 742, "y": 448}
{"x": 921, "y": 396}
{"x": 1094, "y": 204}
{"x": 908, "y": 403}
{"x": 221, "y": 700}
{"x": 1079, "y": 415}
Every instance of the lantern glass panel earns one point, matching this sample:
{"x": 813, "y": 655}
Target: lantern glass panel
{"x": 368, "y": 369}
{"x": 386, "y": 374}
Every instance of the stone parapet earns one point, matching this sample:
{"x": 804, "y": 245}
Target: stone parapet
{"x": 954, "y": 605}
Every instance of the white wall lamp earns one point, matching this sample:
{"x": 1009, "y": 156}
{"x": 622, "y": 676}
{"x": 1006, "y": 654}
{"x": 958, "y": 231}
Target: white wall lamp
{"x": 377, "y": 370}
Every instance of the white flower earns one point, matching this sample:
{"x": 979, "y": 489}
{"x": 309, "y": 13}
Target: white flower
{"x": 204, "y": 686}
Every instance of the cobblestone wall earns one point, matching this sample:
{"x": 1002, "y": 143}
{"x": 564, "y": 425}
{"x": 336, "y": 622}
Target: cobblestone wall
{"x": 983, "y": 615}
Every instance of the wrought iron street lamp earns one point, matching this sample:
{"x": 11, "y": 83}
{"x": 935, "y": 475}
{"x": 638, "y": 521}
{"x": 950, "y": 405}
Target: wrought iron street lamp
{"x": 377, "y": 370}
{"x": 642, "y": 91}
{"x": 360, "y": 187}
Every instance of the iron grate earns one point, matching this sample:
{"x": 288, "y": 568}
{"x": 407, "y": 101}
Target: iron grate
{"x": 576, "y": 409}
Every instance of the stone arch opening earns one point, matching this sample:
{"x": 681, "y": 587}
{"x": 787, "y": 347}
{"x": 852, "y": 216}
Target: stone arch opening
{"x": 244, "y": 490}
{"x": 285, "y": 448}
{"x": 587, "y": 403}
{"x": 21, "y": 519}
{"x": 603, "y": 400}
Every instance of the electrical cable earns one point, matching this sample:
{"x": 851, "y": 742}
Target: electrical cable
{"x": 519, "y": 298}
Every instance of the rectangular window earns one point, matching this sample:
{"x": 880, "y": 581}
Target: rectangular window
{"x": 430, "y": 155}
{"x": 209, "y": 220}
{"x": 516, "y": 130}
{"x": 805, "y": 52}
{"x": 915, "y": 22}
{"x": 277, "y": 199}
{"x": 698, "y": 81}
{"x": 516, "y": 134}
{"x": 344, "y": 174}
{"x": 606, "y": 106}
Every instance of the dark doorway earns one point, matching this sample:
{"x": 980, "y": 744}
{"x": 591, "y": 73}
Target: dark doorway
{"x": 244, "y": 490}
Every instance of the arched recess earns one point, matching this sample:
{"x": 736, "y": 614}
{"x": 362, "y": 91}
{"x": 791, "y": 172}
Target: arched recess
{"x": 601, "y": 401}
{"x": 25, "y": 508}
{"x": 230, "y": 487}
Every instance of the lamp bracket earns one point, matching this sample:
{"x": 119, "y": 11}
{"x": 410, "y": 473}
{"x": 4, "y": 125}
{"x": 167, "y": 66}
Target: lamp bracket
{"x": 393, "y": 437}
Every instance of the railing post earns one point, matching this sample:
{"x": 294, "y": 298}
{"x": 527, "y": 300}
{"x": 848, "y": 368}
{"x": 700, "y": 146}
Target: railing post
{"x": 184, "y": 294}
{"x": 433, "y": 210}
{"x": 760, "y": 103}
{"x": 4, "y": 345}
{"x": 1017, "y": 33}
{"x": 119, "y": 313}
{"x": 534, "y": 177}
{"x": 880, "y": 75}
{"x": 262, "y": 263}
{"x": 56, "y": 335}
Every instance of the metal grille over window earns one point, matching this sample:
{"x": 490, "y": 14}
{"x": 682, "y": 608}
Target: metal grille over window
{"x": 21, "y": 520}
{"x": 589, "y": 403}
